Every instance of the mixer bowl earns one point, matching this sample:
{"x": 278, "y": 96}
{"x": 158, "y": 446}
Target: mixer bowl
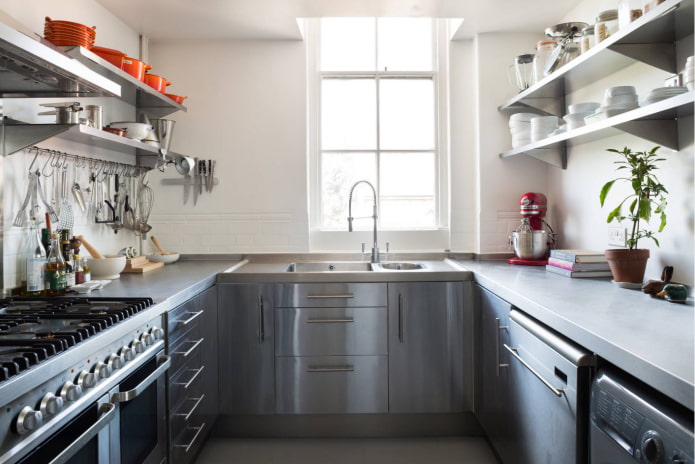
{"x": 532, "y": 244}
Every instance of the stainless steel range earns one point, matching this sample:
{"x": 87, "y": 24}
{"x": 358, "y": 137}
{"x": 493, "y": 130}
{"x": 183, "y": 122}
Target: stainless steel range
{"x": 81, "y": 378}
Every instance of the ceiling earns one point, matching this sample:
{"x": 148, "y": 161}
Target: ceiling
{"x": 276, "y": 19}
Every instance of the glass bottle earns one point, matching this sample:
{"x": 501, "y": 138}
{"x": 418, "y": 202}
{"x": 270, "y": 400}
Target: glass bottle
{"x": 86, "y": 270}
{"x": 54, "y": 270}
{"x": 46, "y": 240}
{"x": 35, "y": 257}
{"x": 68, "y": 258}
{"x": 78, "y": 269}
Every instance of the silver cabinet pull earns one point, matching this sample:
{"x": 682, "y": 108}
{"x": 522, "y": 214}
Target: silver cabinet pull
{"x": 330, "y": 368}
{"x": 340, "y": 295}
{"x": 261, "y": 321}
{"x": 195, "y": 437}
{"x": 190, "y": 319}
{"x": 195, "y": 376}
{"x": 319, "y": 321}
{"x": 497, "y": 345}
{"x": 400, "y": 318}
{"x": 188, "y": 414}
{"x": 556, "y": 391}
{"x": 190, "y": 350}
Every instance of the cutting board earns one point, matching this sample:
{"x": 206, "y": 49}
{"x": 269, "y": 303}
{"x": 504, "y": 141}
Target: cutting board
{"x": 139, "y": 265}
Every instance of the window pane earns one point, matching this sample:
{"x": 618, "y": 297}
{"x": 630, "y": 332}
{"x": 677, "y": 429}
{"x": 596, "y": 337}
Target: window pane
{"x": 339, "y": 172}
{"x": 405, "y": 44}
{"x": 348, "y": 44}
{"x": 406, "y": 115}
{"x": 348, "y": 114}
{"x": 407, "y": 190}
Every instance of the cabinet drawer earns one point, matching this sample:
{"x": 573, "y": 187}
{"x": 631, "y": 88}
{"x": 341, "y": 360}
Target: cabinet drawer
{"x": 182, "y": 383}
{"x": 188, "y": 412}
{"x": 330, "y": 331}
{"x": 185, "y": 348}
{"x": 182, "y": 318}
{"x": 329, "y": 295}
{"x": 331, "y": 384}
{"x": 185, "y": 445}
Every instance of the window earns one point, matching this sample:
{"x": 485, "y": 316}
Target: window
{"x": 376, "y": 117}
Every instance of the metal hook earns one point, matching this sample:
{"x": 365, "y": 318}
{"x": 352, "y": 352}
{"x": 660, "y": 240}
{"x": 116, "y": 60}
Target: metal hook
{"x": 31, "y": 166}
{"x": 47, "y": 164}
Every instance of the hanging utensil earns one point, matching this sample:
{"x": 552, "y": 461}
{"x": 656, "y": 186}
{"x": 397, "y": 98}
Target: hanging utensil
{"x": 77, "y": 193}
{"x": 117, "y": 224}
{"x": 66, "y": 217}
{"x": 49, "y": 208}
{"x": 20, "y": 219}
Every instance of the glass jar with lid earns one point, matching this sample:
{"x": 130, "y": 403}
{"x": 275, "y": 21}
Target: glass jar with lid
{"x": 544, "y": 49}
{"x": 588, "y": 38}
{"x": 606, "y": 25}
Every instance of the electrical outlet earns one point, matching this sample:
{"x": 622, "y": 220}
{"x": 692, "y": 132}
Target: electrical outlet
{"x": 617, "y": 236}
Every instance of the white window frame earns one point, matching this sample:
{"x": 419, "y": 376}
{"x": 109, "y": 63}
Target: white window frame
{"x": 436, "y": 238}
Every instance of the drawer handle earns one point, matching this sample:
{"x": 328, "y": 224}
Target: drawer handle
{"x": 343, "y": 295}
{"x": 195, "y": 406}
{"x": 195, "y": 437}
{"x": 195, "y": 345}
{"x": 195, "y": 376}
{"x": 320, "y": 321}
{"x": 261, "y": 320}
{"x": 190, "y": 319}
{"x": 557, "y": 391}
{"x": 331, "y": 369}
{"x": 497, "y": 345}
{"x": 400, "y": 318}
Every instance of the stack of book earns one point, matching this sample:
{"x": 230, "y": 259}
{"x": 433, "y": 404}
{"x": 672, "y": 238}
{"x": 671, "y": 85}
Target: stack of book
{"x": 578, "y": 263}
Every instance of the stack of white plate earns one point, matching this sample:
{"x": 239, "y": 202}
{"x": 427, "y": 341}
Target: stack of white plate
{"x": 542, "y": 127}
{"x": 520, "y": 128}
{"x": 577, "y": 113}
{"x": 689, "y": 73}
{"x": 662, "y": 93}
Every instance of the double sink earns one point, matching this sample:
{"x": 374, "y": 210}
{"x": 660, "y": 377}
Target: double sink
{"x": 352, "y": 266}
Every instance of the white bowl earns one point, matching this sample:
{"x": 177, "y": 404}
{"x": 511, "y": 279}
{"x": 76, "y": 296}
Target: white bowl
{"x": 544, "y": 122}
{"x": 522, "y": 117}
{"x": 166, "y": 259}
{"x": 620, "y": 90}
{"x": 620, "y": 100}
{"x": 107, "y": 268}
{"x": 134, "y": 130}
{"x": 586, "y": 107}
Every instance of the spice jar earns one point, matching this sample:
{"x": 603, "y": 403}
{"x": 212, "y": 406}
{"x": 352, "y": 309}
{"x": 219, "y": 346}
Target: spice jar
{"x": 588, "y": 39}
{"x": 606, "y": 25}
{"x": 544, "y": 49}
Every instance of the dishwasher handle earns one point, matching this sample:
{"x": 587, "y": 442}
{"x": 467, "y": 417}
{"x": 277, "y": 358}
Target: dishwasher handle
{"x": 556, "y": 391}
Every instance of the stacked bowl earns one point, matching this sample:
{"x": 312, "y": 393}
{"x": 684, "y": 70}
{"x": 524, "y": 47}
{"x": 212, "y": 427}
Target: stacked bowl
{"x": 69, "y": 33}
{"x": 520, "y": 128}
{"x": 619, "y": 99}
{"x": 689, "y": 73}
{"x": 577, "y": 113}
{"x": 542, "y": 127}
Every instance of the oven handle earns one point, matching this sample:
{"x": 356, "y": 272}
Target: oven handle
{"x": 108, "y": 411}
{"x": 556, "y": 391}
{"x": 164, "y": 362}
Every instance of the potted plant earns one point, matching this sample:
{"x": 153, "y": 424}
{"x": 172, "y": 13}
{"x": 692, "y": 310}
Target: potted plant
{"x": 646, "y": 199}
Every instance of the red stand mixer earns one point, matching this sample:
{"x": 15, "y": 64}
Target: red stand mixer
{"x": 534, "y": 238}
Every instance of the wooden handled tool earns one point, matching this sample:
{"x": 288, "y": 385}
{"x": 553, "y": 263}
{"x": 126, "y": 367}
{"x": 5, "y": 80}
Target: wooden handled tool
{"x": 92, "y": 251}
{"x": 159, "y": 246}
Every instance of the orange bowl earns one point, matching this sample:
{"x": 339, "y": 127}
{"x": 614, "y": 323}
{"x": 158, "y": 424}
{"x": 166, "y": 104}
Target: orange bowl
{"x": 59, "y": 23}
{"x": 135, "y": 68}
{"x": 177, "y": 98}
{"x": 156, "y": 82}
{"x": 114, "y": 57}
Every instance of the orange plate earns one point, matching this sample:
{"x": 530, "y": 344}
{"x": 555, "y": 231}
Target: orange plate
{"x": 51, "y": 22}
{"x": 177, "y": 98}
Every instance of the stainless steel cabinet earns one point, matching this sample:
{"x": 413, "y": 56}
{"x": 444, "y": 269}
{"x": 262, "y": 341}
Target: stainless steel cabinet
{"x": 246, "y": 349}
{"x": 492, "y": 405}
{"x": 426, "y": 340}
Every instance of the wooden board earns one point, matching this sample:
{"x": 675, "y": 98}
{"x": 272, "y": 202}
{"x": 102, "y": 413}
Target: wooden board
{"x": 143, "y": 268}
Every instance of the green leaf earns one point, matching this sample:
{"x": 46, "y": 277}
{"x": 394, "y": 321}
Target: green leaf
{"x": 614, "y": 214}
{"x": 604, "y": 191}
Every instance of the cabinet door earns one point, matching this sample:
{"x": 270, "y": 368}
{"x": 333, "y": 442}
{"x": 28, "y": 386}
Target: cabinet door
{"x": 426, "y": 347}
{"x": 246, "y": 349}
{"x": 492, "y": 404}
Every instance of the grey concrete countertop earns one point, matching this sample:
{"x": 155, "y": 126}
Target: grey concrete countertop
{"x": 650, "y": 338}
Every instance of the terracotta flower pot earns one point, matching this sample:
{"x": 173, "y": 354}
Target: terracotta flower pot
{"x": 627, "y": 265}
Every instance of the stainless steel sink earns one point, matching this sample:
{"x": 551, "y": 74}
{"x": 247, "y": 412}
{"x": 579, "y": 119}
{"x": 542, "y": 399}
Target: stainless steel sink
{"x": 401, "y": 266}
{"x": 328, "y": 266}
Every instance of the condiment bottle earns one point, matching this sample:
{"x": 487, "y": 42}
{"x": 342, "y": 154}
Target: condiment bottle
{"x": 87, "y": 272}
{"x": 54, "y": 270}
{"x": 35, "y": 257}
{"x": 78, "y": 269}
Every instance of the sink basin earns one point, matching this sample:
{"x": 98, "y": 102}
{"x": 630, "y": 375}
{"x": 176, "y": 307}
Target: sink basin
{"x": 401, "y": 266}
{"x": 356, "y": 266}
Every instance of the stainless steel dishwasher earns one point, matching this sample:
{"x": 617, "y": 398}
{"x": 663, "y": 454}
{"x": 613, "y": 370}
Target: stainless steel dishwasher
{"x": 550, "y": 380}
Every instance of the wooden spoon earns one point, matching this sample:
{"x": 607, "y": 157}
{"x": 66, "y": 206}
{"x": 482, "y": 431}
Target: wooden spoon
{"x": 159, "y": 246}
{"x": 92, "y": 251}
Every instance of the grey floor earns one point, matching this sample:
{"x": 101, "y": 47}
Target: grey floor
{"x": 445, "y": 450}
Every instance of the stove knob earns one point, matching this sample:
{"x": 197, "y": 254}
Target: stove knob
{"x": 102, "y": 371}
{"x": 70, "y": 391}
{"x": 115, "y": 361}
{"x": 137, "y": 346}
{"x": 86, "y": 380}
{"x": 127, "y": 353}
{"x": 147, "y": 338}
{"x": 157, "y": 333}
{"x": 28, "y": 420}
{"x": 51, "y": 404}
{"x": 652, "y": 446}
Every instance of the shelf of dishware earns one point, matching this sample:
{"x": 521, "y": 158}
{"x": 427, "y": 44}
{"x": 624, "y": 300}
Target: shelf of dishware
{"x": 133, "y": 90}
{"x": 656, "y": 122}
{"x": 650, "y": 39}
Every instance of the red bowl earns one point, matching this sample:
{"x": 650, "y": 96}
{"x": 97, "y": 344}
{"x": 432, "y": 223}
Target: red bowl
{"x": 135, "y": 68}
{"x": 156, "y": 82}
{"x": 177, "y": 98}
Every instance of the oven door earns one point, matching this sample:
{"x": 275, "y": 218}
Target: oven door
{"x": 83, "y": 440}
{"x": 140, "y": 436}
